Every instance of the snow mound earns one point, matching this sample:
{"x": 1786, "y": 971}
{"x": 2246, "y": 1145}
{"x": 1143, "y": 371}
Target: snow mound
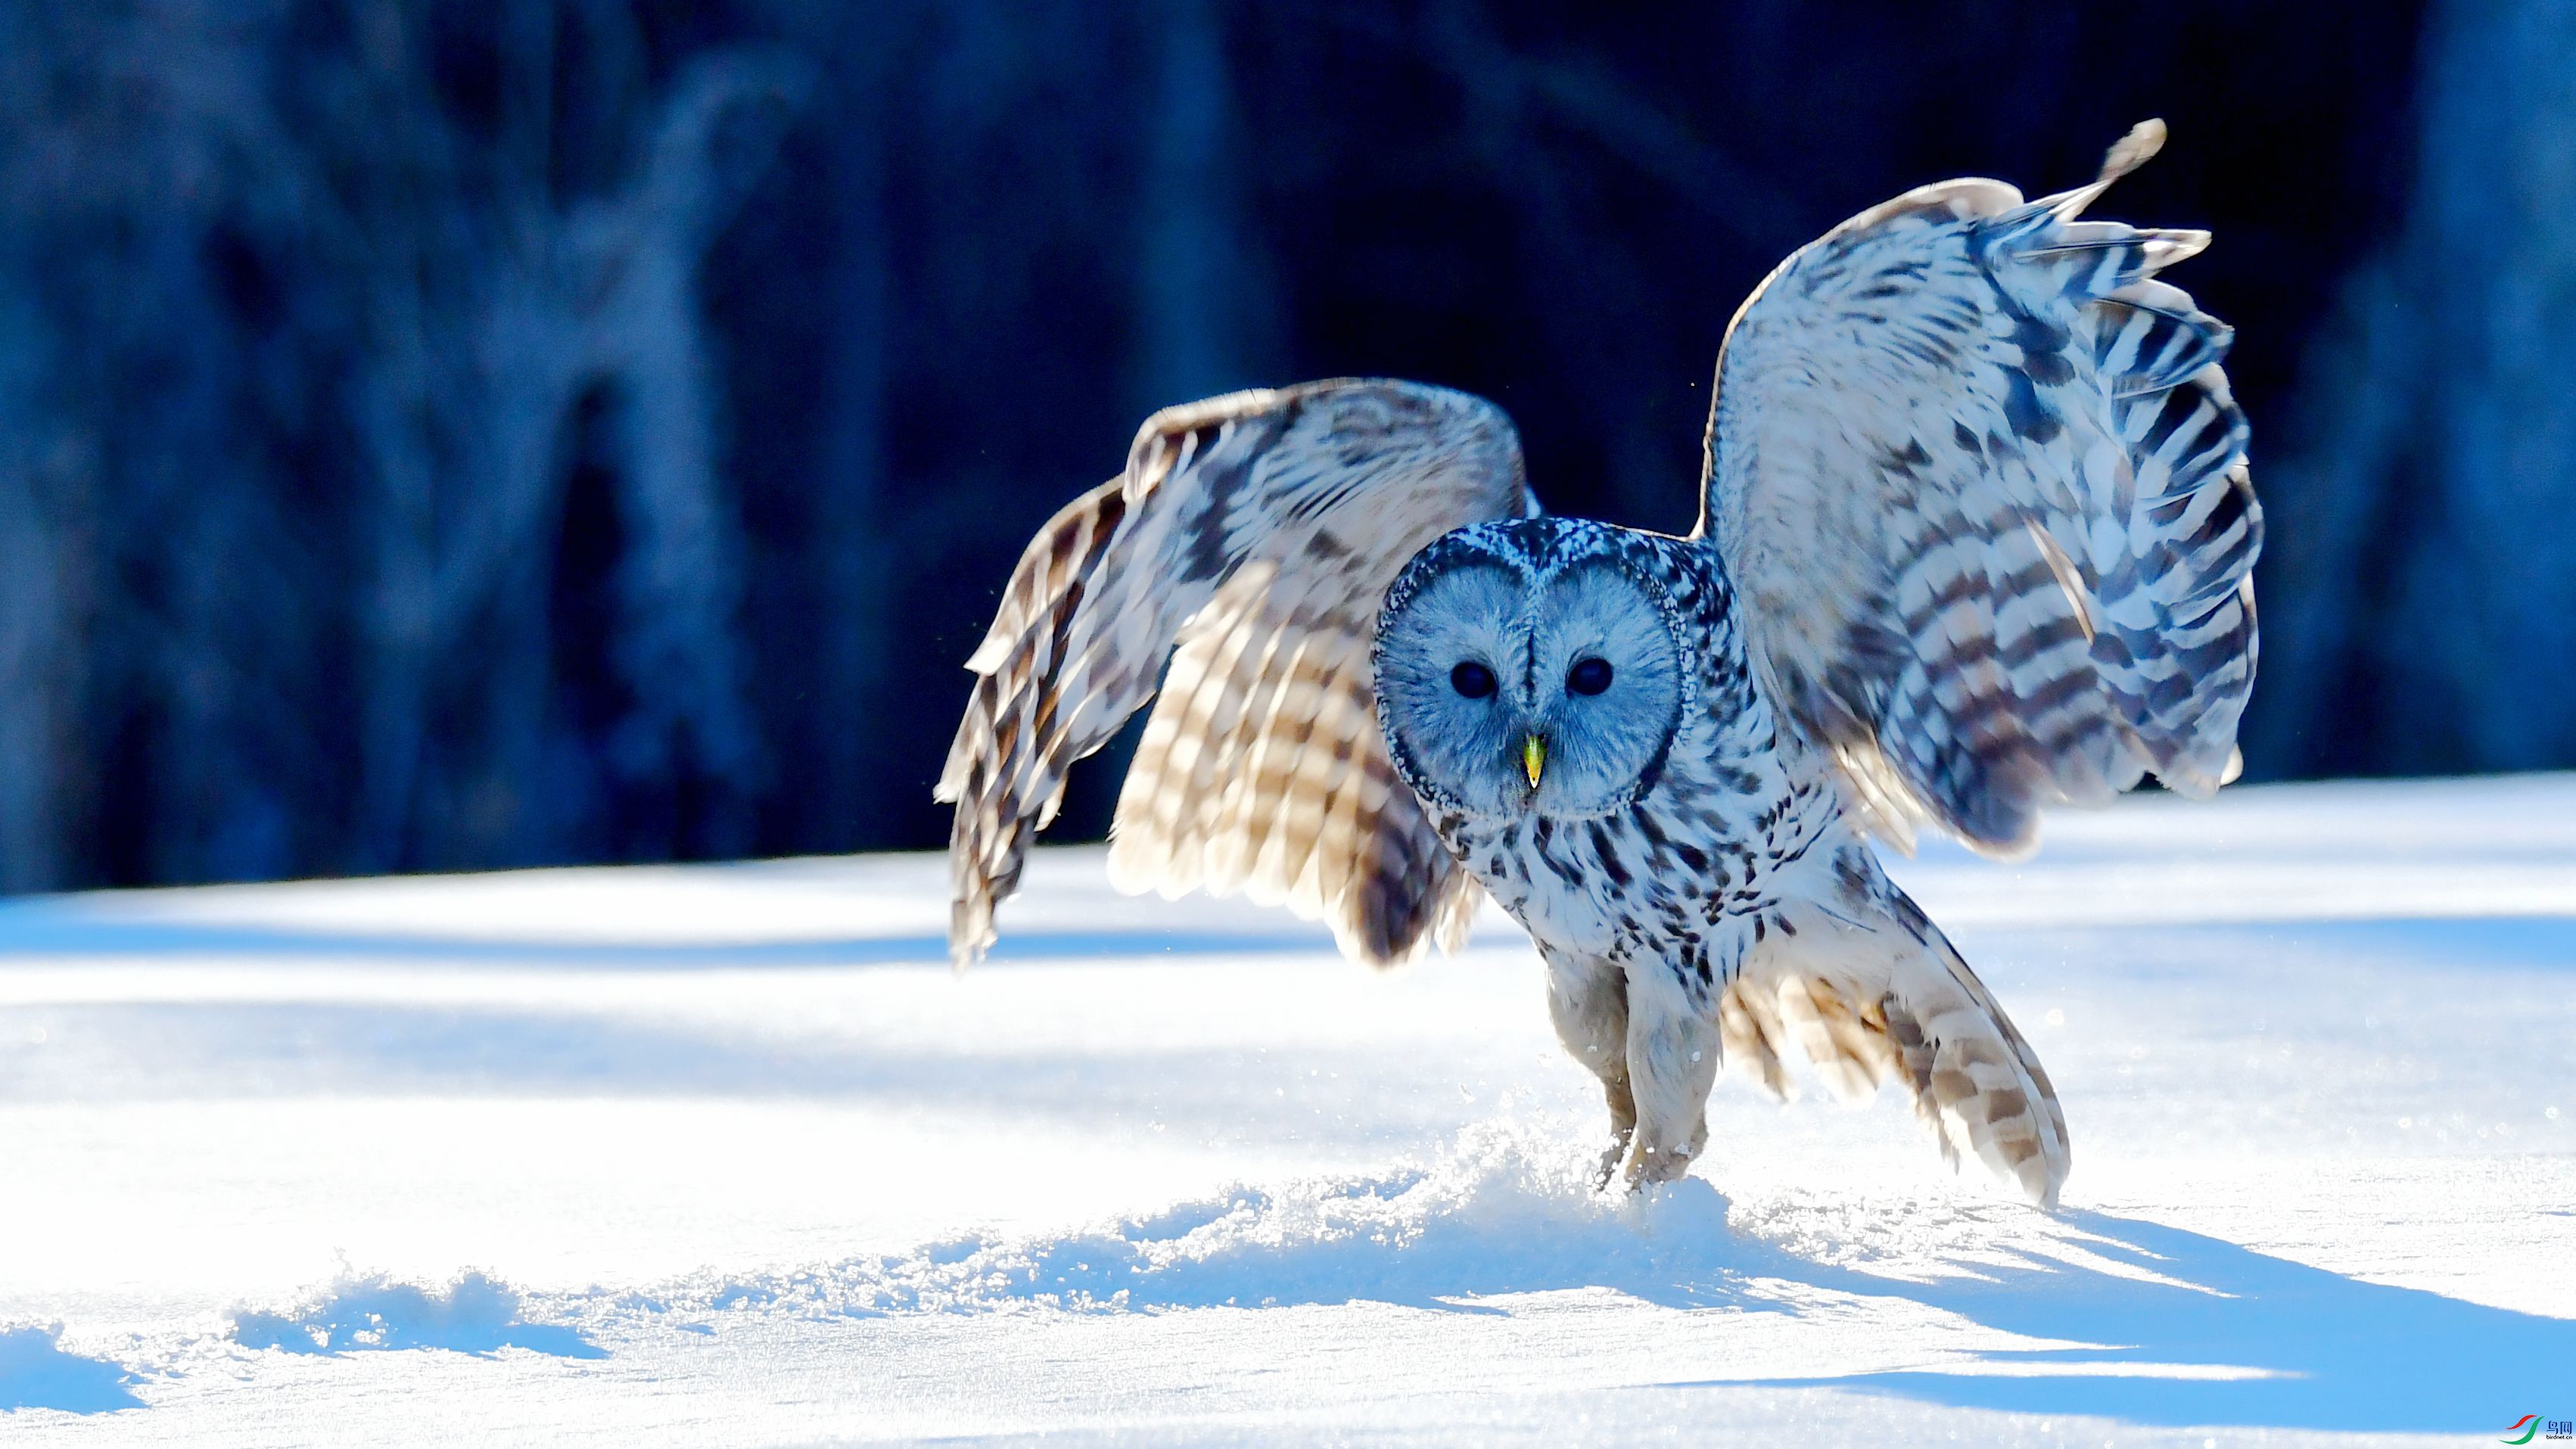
{"x": 1511, "y": 1205}
{"x": 1507, "y": 1208}
{"x": 37, "y": 1373}
{"x": 474, "y": 1314}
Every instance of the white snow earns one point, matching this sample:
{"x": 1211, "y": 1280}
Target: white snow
{"x": 726, "y": 1155}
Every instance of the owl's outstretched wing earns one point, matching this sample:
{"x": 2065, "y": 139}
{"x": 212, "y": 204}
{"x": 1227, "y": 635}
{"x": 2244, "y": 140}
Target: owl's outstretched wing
{"x": 1982, "y": 492}
{"x": 1248, "y": 543}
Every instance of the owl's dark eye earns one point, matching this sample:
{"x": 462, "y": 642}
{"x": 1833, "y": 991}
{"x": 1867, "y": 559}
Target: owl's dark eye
{"x": 1588, "y": 676}
{"x": 1472, "y": 679}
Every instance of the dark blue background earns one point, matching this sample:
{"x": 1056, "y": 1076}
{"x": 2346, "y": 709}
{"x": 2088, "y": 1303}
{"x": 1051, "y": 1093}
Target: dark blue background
{"x": 447, "y": 435}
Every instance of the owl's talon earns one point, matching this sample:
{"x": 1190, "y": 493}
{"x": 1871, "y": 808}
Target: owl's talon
{"x": 1650, "y": 1166}
{"x": 1610, "y": 1159}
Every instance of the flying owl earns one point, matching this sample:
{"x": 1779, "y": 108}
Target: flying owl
{"x": 1976, "y": 537}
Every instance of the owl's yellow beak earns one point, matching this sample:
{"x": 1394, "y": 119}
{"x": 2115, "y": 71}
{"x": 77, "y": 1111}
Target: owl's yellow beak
{"x": 1533, "y": 757}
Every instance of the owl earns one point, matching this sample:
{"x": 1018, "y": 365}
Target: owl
{"x": 1976, "y": 537}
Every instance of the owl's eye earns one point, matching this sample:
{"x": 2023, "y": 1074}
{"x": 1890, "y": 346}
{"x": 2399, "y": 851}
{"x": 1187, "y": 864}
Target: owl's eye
{"x": 1472, "y": 679}
{"x": 1588, "y": 676}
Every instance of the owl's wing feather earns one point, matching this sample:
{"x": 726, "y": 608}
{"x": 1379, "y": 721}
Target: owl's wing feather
{"x": 1872, "y": 994}
{"x": 1980, "y": 485}
{"x": 1248, "y": 544}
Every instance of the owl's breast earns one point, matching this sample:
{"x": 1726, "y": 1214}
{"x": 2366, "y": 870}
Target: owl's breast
{"x": 1654, "y": 879}
{"x": 1571, "y": 883}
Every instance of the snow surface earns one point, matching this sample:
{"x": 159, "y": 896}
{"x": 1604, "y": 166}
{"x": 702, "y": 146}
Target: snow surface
{"x": 726, "y": 1155}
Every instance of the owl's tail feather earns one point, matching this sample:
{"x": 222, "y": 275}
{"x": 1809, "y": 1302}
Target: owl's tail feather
{"x": 1890, "y": 1002}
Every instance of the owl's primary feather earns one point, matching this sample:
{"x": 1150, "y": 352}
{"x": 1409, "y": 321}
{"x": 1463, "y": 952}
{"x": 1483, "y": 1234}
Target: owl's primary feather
{"x": 1256, "y": 532}
{"x": 1976, "y": 538}
{"x": 1980, "y": 482}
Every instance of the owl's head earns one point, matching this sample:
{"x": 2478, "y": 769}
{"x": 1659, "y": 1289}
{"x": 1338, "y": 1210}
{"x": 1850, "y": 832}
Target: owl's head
{"x": 1531, "y": 666}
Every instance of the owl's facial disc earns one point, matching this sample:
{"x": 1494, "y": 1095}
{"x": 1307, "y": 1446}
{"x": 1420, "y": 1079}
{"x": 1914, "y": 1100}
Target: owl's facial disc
{"x": 1607, "y": 688}
{"x": 1451, "y": 687}
{"x": 1504, "y": 693}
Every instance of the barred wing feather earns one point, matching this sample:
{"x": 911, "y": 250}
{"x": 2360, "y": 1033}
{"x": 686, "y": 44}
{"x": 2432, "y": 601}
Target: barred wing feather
{"x": 1241, "y": 558}
{"x": 1979, "y": 483}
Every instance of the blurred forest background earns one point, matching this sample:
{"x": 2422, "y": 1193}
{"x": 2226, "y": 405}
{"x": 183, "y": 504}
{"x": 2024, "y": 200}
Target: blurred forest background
{"x": 512, "y": 431}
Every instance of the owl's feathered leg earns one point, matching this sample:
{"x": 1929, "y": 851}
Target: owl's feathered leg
{"x": 1673, "y": 1056}
{"x": 1587, "y": 998}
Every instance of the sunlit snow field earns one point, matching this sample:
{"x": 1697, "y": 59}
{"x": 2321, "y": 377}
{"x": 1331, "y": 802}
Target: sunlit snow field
{"x": 726, "y": 1155}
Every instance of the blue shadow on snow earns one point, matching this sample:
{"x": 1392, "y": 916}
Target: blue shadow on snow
{"x": 67, "y": 927}
{"x": 35, "y": 1373}
{"x": 2311, "y": 1348}
{"x": 2334, "y": 1352}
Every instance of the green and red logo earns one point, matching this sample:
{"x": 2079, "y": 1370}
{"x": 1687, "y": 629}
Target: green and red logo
{"x": 2532, "y": 1425}
{"x": 2529, "y": 1424}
